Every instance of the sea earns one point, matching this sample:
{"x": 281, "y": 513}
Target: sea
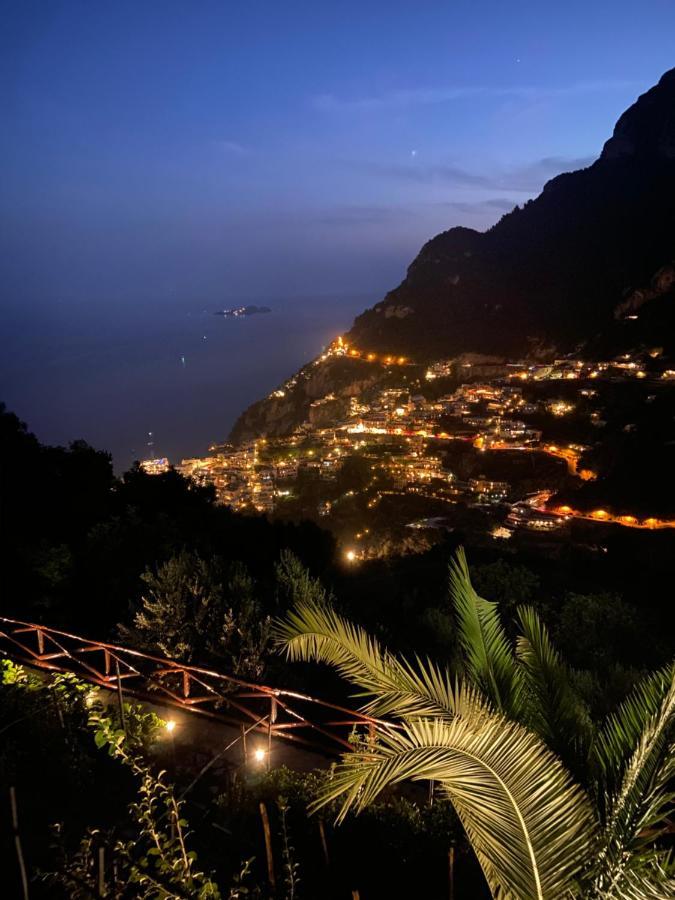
{"x": 156, "y": 378}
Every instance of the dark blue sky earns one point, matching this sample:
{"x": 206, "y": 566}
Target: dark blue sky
{"x": 242, "y": 149}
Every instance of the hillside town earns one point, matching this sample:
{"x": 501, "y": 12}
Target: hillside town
{"x": 402, "y": 448}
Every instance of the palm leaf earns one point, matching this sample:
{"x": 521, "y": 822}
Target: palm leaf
{"x": 623, "y": 730}
{"x": 552, "y": 707}
{"x": 530, "y": 827}
{"x": 489, "y": 659}
{"x": 315, "y": 632}
{"x": 650, "y": 881}
{"x": 635, "y": 757}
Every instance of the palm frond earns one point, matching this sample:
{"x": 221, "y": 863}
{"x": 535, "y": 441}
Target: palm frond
{"x": 635, "y": 754}
{"x": 652, "y": 880}
{"x": 552, "y": 707}
{"x": 489, "y": 660}
{"x": 623, "y": 730}
{"x": 316, "y": 632}
{"x": 531, "y": 828}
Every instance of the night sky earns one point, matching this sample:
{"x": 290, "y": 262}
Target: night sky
{"x": 156, "y": 152}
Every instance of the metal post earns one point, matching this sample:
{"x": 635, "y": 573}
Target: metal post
{"x": 272, "y": 718}
{"x": 119, "y": 696}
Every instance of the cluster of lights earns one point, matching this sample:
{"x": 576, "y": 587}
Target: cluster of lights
{"x": 602, "y": 515}
{"x": 560, "y": 407}
{"x": 341, "y": 348}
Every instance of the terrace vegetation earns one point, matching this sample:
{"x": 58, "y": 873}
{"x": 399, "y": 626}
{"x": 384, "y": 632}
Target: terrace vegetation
{"x": 553, "y": 800}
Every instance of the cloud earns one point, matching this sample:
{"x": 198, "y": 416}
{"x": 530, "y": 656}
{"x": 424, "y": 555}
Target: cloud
{"x": 411, "y": 97}
{"x": 527, "y": 178}
{"x": 498, "y": 204}
{"x": 363, "y": 215}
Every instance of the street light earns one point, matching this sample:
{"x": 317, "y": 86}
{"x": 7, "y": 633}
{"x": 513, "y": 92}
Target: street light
{"x": 170, "y": 726}
{"x": 259, "y": 755}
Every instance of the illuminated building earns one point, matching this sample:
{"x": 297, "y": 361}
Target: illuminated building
{"x": 155, "y": 466}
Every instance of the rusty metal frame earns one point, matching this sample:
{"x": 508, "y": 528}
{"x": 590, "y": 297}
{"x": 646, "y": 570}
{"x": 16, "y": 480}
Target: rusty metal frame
{"x": 276, "y": 712}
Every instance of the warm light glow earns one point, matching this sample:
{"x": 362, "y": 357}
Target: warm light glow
{"x": 259, "y": 755}
{"x": 599, "y": 513}
{"x": 350, "y": 556}
{"x": 170, "y": 725}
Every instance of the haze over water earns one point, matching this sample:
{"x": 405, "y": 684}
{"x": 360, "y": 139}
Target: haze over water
{"x": 111, "y": 374}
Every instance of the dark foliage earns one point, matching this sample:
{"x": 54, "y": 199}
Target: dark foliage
{"x": 77, "y": 540}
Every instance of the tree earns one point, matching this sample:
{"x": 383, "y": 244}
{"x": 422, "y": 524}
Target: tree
{"x": 484, "y": 735}
{"x": 196, "y": 608}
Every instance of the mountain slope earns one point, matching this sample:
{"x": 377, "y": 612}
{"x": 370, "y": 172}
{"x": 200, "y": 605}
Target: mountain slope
{"x": 556, "y": 272}
{"x": 589, "y": 263}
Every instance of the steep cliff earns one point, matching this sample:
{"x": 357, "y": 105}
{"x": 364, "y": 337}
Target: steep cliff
{"x": 291, "y": 405}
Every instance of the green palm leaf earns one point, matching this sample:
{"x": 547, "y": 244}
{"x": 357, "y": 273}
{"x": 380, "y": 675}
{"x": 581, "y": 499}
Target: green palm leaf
{"x": 653, "y": 881}
{"x": 315, "y": 632}
{"x": 623, "y": 730}
{"x": 489, "y": 658}
{"x": 534, "y": 832}
{"x": 635, "y": 759}
{"x": 530, "y": 827}
{"x": 552, "y": 707}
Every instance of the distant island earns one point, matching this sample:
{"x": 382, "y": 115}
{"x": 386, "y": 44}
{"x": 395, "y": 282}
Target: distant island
{"x": 238, "y": 311}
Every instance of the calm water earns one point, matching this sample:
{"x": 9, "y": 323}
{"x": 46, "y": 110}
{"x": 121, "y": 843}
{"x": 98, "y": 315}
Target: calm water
{"x": 110, "y": 375}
